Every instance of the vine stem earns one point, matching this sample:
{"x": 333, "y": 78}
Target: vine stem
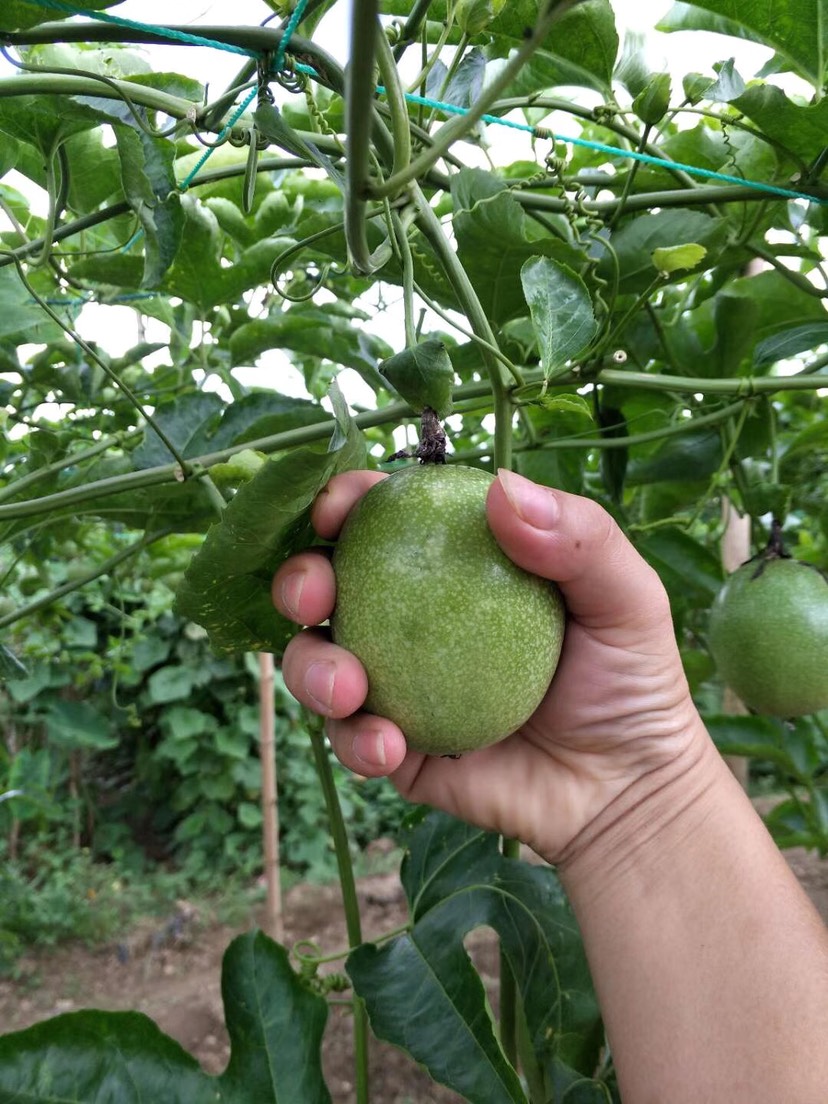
{"x": 430, "y": 226}
{"x": 76, "y": 584}
{"x": 359, "y": 94}
{"x": 458, "y": 127}
{"x": 350, "y": 901}
{"x": 391, "y": 414}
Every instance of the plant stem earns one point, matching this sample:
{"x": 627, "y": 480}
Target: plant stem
{"x": 400, "y": 126}
{"x": 349, "y": 897}
{"x": 359, "y": 94}
{"x": 508, "y": 985}
{"x": 458, "y": 127}
{"x": 429, "y": 224}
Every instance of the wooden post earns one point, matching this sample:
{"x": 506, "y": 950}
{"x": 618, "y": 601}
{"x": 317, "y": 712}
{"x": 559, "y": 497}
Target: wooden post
{"x": 735, "y": 549}
{"x": 273, "y": 924}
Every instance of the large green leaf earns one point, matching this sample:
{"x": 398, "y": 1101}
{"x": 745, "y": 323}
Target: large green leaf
{"x": 636, "y": 240}
{"x": 581, "y": 50}
{"x": 691, "y": 573}
{"x": 495, "y": 238}
{"x": 796, "y": 29}
{"x": 74, "y": 1058}
{"x": 312, "y": 331}
{"x": 275, "y": 1026}
{"x": 150, "y": 186}
{"x": 800, "y": 128}
{"x": 561, "y": 311}
{"x": 227, "y": 586}
{"x": 422, "y": 993}
{"x": 19, "y": 15}
{"x": 78, "y": 724}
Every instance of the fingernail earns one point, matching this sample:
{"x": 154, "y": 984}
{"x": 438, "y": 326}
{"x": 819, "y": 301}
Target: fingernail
{"x": 319, "y": 684}
{"x": 290, "y": 592}
{"x": 535, "y": 505}
{"x": 369, "y": 748}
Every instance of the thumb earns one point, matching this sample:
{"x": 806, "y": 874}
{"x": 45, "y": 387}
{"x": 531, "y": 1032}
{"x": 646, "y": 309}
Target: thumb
{"x": 574, "y": 541}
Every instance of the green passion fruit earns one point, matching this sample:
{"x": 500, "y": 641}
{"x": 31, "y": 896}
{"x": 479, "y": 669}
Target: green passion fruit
{"x": 458, "y": 642}
{"x": 768, "y": 635}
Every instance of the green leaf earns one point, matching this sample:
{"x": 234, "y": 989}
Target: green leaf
{"x": 422, "y": 376}
{"x": 791, "y": 27}
{"x": 10, "y": 666}
{"x": 754, "y": 737}
{"x": 561, "y": 311}
{"x": 78, "y": 724}
{"x": 581, "y": 48}
{"x": 183, "y": 423}
{"x": 789, "y": 343}
{"x": 19, "y": 314}
{"x": 464, "y": 85}
{"x": 632, "y": 70}
{"x": 800, "y": 128}
{"x": 227, "y": 586}
{"x": 19, "y": 15}
{"x": 494, "y": 239}
{"x": 311, "y": 332}
{"x": 690, "y": 572}
{"x": 652, "y": 102}
{"x": 172, "y": 683}
{"x": 455, "y": 880}
{"x": 674, "y": 258}
{"x": 152, "y": 193}
{"x": 275, "y": 1026}
{"x": 636, "y": 241}
{"x": 75, "y": 1057}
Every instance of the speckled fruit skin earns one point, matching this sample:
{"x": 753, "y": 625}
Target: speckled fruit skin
{"x": 768, "y": 634}
{"x": 459, "y": 643}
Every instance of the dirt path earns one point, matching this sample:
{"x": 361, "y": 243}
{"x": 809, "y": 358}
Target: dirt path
{"x": 177, "y": 983}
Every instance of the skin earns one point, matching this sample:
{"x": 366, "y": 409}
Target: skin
{"x": 710, "y": 963}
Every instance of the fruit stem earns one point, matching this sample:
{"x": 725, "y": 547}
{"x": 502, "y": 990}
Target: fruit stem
{"x": 350, "y": 901}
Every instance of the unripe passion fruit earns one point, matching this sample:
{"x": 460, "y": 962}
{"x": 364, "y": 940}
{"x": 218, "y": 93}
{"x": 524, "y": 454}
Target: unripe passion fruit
{"x": 769, "y": 636}
{"x": 459, "y": 643}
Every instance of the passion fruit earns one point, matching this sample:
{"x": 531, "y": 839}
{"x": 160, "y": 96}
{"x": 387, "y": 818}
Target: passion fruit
{"x": 458, "y": 642}
{"x": 768, "y": 634}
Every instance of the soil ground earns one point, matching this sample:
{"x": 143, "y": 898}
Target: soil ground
{"x": 175, "y": 979}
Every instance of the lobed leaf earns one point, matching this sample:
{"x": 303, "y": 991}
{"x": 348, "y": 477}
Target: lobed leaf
{"x": 422, "y": 993}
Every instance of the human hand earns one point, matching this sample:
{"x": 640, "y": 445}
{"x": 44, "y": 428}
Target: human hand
{"x": 618, "y": 707}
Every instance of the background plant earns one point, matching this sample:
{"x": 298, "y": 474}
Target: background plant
{"x": 597, "y": 296}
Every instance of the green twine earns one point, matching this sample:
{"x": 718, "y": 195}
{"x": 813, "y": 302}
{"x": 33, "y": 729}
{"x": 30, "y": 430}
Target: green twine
{"x": 446, "y": 108}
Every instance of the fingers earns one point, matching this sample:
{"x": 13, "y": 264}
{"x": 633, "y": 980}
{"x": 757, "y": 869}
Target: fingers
{"x": 323, "y": 676}
{"x": 366, "y": 744}
{"x": 304, "y": 588}
{"x": 336, "y": 500}
{"x": 560, "y": 536}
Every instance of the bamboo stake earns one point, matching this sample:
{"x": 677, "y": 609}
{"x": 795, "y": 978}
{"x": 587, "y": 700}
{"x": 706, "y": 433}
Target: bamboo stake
{"x": 273, "y": 924}
{"x": 735, "y": 549}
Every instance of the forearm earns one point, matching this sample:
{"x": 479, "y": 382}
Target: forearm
{"x": 711, "y": 964}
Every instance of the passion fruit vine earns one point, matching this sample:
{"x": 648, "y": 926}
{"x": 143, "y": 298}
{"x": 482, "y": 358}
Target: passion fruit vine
{"x": 458, "y": 642}
{"x": 768, "y": 634}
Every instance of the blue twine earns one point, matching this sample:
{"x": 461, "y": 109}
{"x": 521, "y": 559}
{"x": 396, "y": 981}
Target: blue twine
{"x": 446, "y": 108}
{"x": 225, "y": 130}
{"x": 292, "y": 24}
{"x": 165, "y": 32}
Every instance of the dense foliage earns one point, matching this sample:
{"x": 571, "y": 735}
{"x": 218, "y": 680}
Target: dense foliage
{"x": 616, "y": 325}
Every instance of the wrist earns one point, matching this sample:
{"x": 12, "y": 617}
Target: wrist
{"x": 642, "y": 823}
